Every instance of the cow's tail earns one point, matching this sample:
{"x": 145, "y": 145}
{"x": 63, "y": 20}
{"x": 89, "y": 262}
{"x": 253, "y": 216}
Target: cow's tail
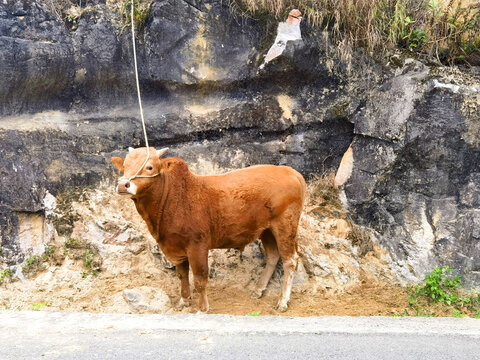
{"x": 303, "y": 188}
{"x": 303, "y": 185}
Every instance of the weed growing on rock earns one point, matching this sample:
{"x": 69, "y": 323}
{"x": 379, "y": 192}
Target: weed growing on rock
{"x": 38, "y": 307}
{"x": 80, "y": 249}
{"x": 74, "y": 243}
{"x": 88, "y": 258}
{"x": 32, "y": 265}
{"x": 35, "y": 263}
{"x": 49, "y": 251}
{"x": 420, "y": 312}
{"x": 254, "y": 313}
{"x": 141, "y": 9}
{"x": 72, "y": 21}
{"x": 441, "y": 286}
{"x": 5, "y": 274}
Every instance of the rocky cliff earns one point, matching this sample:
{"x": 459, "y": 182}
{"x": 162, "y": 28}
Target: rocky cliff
{"x": 409, "y": 135}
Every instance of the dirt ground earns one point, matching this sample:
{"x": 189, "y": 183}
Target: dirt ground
{"x": 363, "y": 300}
{"x": 99, "y": 294}
{"x": 103, "y": 293}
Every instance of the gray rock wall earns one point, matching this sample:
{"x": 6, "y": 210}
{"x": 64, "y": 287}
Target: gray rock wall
{"x": 414, "y": 176}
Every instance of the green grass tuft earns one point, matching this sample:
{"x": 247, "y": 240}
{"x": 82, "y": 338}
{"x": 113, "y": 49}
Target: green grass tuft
{"x": 442, "y": 286}
{"x": 38, "y": 307}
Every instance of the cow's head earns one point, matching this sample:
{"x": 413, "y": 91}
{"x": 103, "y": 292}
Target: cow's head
{"x": 138, "y": 174}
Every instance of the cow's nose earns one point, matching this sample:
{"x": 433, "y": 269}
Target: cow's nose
{"x": 122, "y": 187}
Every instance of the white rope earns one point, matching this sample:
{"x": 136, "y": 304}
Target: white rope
{"x": 139, "y": 96}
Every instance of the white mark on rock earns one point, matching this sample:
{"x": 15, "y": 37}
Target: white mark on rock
{"x": 452, "y": 87}
{"x": 286, "y": 104}
{"x": 345, "y": 169}
{"x": 286, "y": 31}
{"x": 49, "y": 203}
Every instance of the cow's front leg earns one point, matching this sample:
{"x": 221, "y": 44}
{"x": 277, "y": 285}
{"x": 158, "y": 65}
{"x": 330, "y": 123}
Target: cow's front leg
{"x": 182, "y": 274}
{"x": 199, "y": 262}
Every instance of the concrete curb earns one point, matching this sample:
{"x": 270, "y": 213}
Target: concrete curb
{"x": 46, "y": 321}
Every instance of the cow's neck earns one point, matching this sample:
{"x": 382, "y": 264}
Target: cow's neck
{"x": 151, "y": 207}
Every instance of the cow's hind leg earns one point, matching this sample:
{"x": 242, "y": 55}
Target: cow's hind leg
{"x": 271, "y": 252}
{"x": 182, "y": 274}
{"x": 199, "y": 263}
{"x": 285, "y": 232}
{"x": 289, "y": 268}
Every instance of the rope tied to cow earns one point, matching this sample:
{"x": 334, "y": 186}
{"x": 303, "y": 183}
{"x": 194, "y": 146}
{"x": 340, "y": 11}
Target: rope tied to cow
{"x": 139, "y": 176}
{"x": 139, "y": 101}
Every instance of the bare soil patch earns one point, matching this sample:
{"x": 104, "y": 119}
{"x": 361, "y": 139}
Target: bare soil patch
{"x": 102, "y": 293}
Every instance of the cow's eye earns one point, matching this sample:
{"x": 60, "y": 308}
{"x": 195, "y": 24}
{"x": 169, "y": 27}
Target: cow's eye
{"x": 149, "y": 168}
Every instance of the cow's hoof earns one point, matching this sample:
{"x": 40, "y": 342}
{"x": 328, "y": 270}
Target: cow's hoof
{"x": 282, "y": 306}
{"x": 257, "y": 294}
{"x": 183, "y": 303}
{"x": 203, "y": 308}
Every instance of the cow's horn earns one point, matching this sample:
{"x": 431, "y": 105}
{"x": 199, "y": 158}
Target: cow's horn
{"x": 130, "y": 149}
{"x": 162, "y": 152}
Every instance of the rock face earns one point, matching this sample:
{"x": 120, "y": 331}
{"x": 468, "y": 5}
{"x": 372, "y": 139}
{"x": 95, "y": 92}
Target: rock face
{"x": 37, "y": 59}
{"x": 415, "y": 172}
{"x": 68, "y": 104}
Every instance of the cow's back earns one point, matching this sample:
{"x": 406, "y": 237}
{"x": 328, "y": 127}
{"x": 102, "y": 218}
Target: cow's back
{"x": 245, "y": 202}
{"x": 276, "y": 183}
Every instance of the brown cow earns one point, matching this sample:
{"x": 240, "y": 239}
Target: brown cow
{"x": 188, "y": 214}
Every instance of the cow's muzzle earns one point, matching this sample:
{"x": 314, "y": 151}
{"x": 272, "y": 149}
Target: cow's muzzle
{"x": 126, "y": 187}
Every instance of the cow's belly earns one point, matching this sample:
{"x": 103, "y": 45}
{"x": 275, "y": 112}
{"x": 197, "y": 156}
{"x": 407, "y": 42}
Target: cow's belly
{"x": 238, "y": 241}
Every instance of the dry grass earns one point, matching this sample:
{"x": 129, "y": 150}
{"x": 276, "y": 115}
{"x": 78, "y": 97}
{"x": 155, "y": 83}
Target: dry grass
{"x": 141, "y": 9}
{"x": 70, "y": 11}
{"x": 323, "y": 197}
{"x": 360, "y": 236}
{"x": 63, "y": 8}
{"x": 323, "y": 200}
{"x": 442, "y": 29}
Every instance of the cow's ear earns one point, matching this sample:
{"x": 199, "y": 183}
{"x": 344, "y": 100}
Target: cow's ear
{"x": 167, "y": 164}
{"x": 162, "y": 152}
{"x": 118, "y": 162}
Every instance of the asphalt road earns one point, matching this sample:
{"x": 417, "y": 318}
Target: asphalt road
{"x": 62, "y": 335}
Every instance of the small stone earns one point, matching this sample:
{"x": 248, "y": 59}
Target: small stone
{"x": 128, "y": 236}
{"x": 136, "y": 249}
{"x": 145, "y": 299}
